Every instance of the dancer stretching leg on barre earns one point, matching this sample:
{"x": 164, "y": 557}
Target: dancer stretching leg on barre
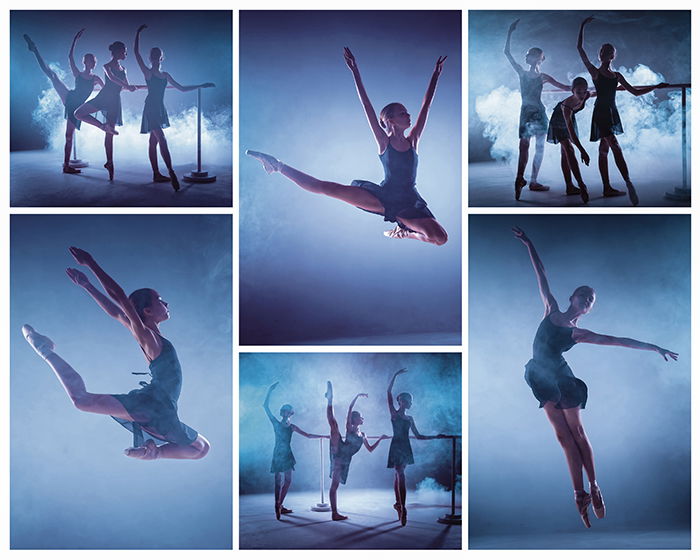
{"x": 343, "y": 450}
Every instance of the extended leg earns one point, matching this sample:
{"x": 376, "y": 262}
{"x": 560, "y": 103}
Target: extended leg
{"x": 401, "y": 483}
{"x": 537, "y": 163}
{"x": 603, "y": 149}
{"x": 84, "y": 113}
{"x": 428, "y": 230}
{"x": 198, "y": 449}
{"x": 520, "y": 182}
{"x": 57, "y": 84}
{"x": 109, "y": 152}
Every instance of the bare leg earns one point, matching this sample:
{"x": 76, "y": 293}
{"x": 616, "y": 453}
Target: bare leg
{"x": 603, "y": 149}
{"x": 427, "y": 230}
{"x": 570, "y": 156}
{"x": 285, "y": 486}
{"x": 622, "y": 166}
{"x": 278, "y": 490}
{"x": 397, "y": 495}
{"x": 165, "y": 154}
{"x": 57, "y": 84}
{"x": 153, "y": 155}
{"x": 566, "y": 171}
{"x": 84, "y": 113}
{"x": 401, "y": 483}
{"x": 70, "y": 130}
{"x": 573, "y": 420}
{"x": 520, "y": 182}
{"x": 537, "y": 163}
{"x": 198, "y": 449}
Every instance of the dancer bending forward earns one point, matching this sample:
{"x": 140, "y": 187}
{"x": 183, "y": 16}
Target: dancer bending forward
{"x": 341, "y": 449}
{"x": 283, "y": 460}
{"x": 562, "y": 395}
{"x": 153, "y": 407}
{"x": 396, "y": 198}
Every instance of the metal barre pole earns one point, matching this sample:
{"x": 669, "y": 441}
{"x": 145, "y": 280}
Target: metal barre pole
{"x": 322, "y": 505}
{"x": 199, "y": 176}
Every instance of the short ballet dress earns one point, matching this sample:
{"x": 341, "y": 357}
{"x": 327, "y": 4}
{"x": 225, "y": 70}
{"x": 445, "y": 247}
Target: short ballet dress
{"x": 76, "y": 97}
{"x": 400, "y": 452}
{"x": 154, "y": 114}
{"x": 154, "y": 406}
{"x": 282, "y": 456}
{"x": 548, "y": 374}
{"x": 606, "y": 119}
{"x": 397, "y": 192}
{"x": 340, "y": 460}
{"x": 557, "y": 130}
{"x": 533, "y": 115}
{"x": 109, "y": 99}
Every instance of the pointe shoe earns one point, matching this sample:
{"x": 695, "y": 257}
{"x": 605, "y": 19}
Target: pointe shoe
{"x": 584, "y": 194}
{"x": 70, "y": 170}
{"x": 30, "y": 43}
{"x": 519, "y": 184}
{"x": 573, "y": 190}
{"x": 109, "y": 129}
{"x": 403, "y": 516}
{"x": 583, "y": 500}
{"x": 537, "y": 187}
{"x": 338, "y": 517}
{"x": 609, "y": 192}
{"x": 397, "y": 233}
{"x": 597, "y": 500}
{"x": 329, "y": 391}
{"x": 41, "y": 344}
{"x": 278, "y": 511}
{"x": 632, "y": 192}
{"x": 270, "y": 163}
{"x": 173, "y": 180}
{"x": 109, "y": 166}
{"x": 158, "y": 178}
{"x": 397, "y": 507}
{"x": 284, "y": 510}
{"x": 147, "y": 452}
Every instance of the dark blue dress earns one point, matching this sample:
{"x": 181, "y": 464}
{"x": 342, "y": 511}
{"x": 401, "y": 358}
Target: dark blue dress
{"x": 109, "y": 100}
{"x": 557, "y": 130}
{"x": 76, "y": 97}
{"x": 400, "y": 452}
{"x": 606, "y": 119}
{"x": 154, "y": 406}
{"x": 533, "y": 116}
{"x": 154, "y": 114}
{"x": 397, "y": 192}
{"x": 282, "y": 456}
{"x": 340, "y": 460}
{"x": 548, "y": 374}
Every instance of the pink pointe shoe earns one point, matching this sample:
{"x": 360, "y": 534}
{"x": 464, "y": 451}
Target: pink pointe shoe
{"x": 583, "y": 500}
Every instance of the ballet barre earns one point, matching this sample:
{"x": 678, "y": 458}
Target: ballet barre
{"x": 451, "y": 518}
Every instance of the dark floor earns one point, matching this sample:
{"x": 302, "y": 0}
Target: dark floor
{"x": 491, "y": 184}
{"x": 36, "y": 180}
{"x": 412, "y": 339}
{"x": 372, "y": 523}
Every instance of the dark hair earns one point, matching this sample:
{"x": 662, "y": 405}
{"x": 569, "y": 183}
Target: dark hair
{"x": 116, "y": 46}
{"x": 536, "y": 51}
{"x": 140, "y": 299}
{"x": 355, "y": 414}
{"x": 580, "y": 81}
{"x": 403, "y": 397}
{"x": 155, "y": 50}
{"x": 605, "y": 47}
{"x": 582, "y": 289}
{"x": 388, "y": 112}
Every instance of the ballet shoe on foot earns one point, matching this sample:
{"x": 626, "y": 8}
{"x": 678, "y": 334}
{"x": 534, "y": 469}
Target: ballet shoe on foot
{"x": 338, "y": 517}
{"x": 158, "y": 178}
{"x": 30, "y": 43}
{"x": 278, "y": 511}
{"x": 610, "y": 192}
{"x": 597, "y": 501}
{"x": 284, "y": 510}
{"x": 173, "y": 180}
{"x": 397, "y": 507}
{"x": 572, "y": 190}
{"x": 397, "y": 233}
{"x": 583, "y": 500}
{"x": 109, "y": 129}
{"x": 329, "y": 391}
{"x": 147, "y": 452}
{"x": 632, "y": 192}
{"x": 41, "y": 344}
{"x": 270, "y": 163}
{"x": 537, "y": 187}
{"x": 583, "y": 191}
{"x": 403, "y": 516}
{"x": 70, "y": 170}
{"x": 109, "y": 166}
{"x": 519, "y": 184}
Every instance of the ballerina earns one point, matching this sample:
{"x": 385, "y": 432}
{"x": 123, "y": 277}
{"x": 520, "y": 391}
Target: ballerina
{"x": 341, "y": 449}
{"x": 396, "y": 198}
{"x": 153, "y": 407}
{"x": 554, "y": 385}
{"x": 155, "y": 116}
{"x": 109, "y": 102}
{"x": 606, "y": 119}
{"x": 283, "y": 460}
{"x": 533, "y": 116}
{"x": 400, "y": 452}
{"x": 85, "y": 82}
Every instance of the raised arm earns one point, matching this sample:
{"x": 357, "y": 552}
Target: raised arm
{"x": 379, "y": 135}
{"x": 583, "y": 335}
{"x": 579, "y": 45}
{"x": 417, "y": 129}
{"x": 137, "y": 53}
{"x": 151, "y": 345}
{"x": 107, "y": 305}
{"x": 421, "y": 436}
{"x": 301, "y": 432}
{"x": 266, "y": 404}
{"x": 372, "y": 447}
{"x": 71, "y": 54}
{"x": 567, "y": 112}
{"x": 506, "y": 49}
{"x": 550, "y": 304}
{"x": 179, "y": 87}
{"x": 348, "y": 419}
{"x": 636, "y": 91}
{"x": 389, "y": 397}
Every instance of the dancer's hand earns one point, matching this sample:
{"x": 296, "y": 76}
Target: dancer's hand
{"x": 585, "y": 157}
{"x": 662, "y": 85}
{"x": 77, "y": 277}
{"x": 520, "y": 234}
{"x": 207, "y": 85}
{"x": 513, "y": 25}
{"x": 665, "y": 354}
{"x": 588, "y": 20}
{"x": 79, "y": 34}
{"x": 402, "y": 370}
{"x": 132, "y": 88}
{"x": 349, "y": 59}
{"x": 141, "y": 28}
{"x": 438, "y": 65}
{"x": 384, "y": 436}
{"x": 81, "y": 257}
{"x": 362, "y": 395}
{"x": 272, "y": 387}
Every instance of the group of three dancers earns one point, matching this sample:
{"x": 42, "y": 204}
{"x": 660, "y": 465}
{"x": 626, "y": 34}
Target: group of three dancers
{"x": 78, "y": 108}
{"x": 343, "y": 449}
{"x": 562, "y": 129}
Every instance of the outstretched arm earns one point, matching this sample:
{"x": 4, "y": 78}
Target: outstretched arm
{"x": 179, "y": 87}
{"x": 71, "y": 59}
{"x": 348, "y": 420}
{"x": 137, "y": 53}
{"x": 266, "y": 404}
{"x": 506, "y": 49}
{"x": 638, "y": 91}
{"x": 421, "y": 436}
{"x": 572, "y": 133}
{"x": 547, "y": 78}
{"x": 582, "y": 335}
{"x": 584, "y": 57}
{"x": 372, "y": 447}
{"x": 389, "y": 397}
{"x": 379, "y": 135}
{"x": 301, "y": 432}
{"x": 417, "y": 129}
{"x": 151, "y": 345}
{"x": 550, "y": 304}
{"x": 107, "y": 305}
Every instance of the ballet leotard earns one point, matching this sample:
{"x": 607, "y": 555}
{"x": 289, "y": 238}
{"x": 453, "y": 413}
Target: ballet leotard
{"x": 400, "y": 452}
{"x": 606, "y": 119}
{"x": 340, "y": 460}
{"x": 533, "y": 116}
{"x": 76, "y": 97}
{"x": 282, "y": 456}
{"x": 109, "y": 99}
{"x": 154, "y": 114}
